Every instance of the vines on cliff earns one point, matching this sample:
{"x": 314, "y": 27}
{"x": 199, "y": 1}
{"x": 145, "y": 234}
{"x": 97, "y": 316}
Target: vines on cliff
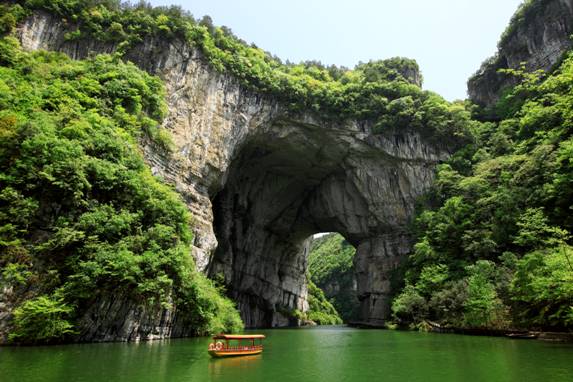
{"x": 81, "y": 216}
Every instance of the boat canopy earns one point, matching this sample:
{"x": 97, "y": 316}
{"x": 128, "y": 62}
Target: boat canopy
{"x": 238, "y": 336}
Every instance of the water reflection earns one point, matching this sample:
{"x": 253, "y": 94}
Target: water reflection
{"x": 226, "y": 367}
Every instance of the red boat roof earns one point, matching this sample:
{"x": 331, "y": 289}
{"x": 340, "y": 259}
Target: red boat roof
{"x": 238, "y": 336}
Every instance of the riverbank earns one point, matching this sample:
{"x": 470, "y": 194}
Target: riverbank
{"x": 509, "y": 333}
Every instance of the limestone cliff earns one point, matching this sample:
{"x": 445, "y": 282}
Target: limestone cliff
{"x": 259, "y": 181}
{"x": 538, "y": 35}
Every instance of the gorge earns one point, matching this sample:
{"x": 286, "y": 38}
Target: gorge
{"x": 260, "y": 180}
{"x": 274, "y": 179}
{"x": 261, "y": 176}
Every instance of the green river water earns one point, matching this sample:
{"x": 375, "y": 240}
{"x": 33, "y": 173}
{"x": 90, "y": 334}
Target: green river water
{"x": 316, "y": 354}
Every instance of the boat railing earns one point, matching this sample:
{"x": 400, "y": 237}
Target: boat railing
{"x": 239, "y": 348}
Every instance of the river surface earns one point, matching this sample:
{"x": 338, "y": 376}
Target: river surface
{"x": 317, "y": 354}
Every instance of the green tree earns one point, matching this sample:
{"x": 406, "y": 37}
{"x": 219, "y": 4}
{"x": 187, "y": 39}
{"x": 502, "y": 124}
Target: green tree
{"x": 409, "y": 306}
{"x": 42, "y": 319}
{"x": 483, "y": 307}
{"x": 543, "y": 287}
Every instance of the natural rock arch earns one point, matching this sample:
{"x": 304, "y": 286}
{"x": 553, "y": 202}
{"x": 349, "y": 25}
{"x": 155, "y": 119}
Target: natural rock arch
{"x": 271, "y": 179}
{"x": 296, "y": 177}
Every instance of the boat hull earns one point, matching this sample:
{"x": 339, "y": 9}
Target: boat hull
{"x": 233, "y": 353}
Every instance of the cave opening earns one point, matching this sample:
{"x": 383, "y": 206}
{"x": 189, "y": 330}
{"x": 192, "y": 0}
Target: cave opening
{"x": 295, "y": 178}
{"x": 331, "y": 269}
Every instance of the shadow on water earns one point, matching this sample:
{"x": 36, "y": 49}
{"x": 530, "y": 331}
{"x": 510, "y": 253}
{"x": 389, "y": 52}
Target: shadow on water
{"x": 223, "y": 367}
{"x": 317, "y": 354}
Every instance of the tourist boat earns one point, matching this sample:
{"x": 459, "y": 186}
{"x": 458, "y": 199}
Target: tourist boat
{"x": 231, "y": 345}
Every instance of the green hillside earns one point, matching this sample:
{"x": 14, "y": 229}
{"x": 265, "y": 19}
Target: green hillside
{"x": 81, "y": 216}
{"x": 494, "y": 247}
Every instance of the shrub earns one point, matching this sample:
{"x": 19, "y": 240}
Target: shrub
{"x": 321, "y": 310}
{"x": 41, "y": 320}
{"x": 483, "y": 307}
{"x": 447, "y": 305}
{"x": 543, "y": 287}
{"x": 409, "y": 306}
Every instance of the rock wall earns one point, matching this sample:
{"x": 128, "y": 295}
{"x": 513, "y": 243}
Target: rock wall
{"x": 538, "y": 38}
{"x": 259, "y": 181}
{"x": 117, "y": 317}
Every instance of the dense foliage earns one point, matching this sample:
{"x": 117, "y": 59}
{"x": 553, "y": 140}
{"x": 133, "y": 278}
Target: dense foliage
{"x": 321, "y": 311}
{"x": 81, "y": 216}
{"x": 496, "y": 251}
{"x": 331, "y": 268}
{"x": 383, "y": 92}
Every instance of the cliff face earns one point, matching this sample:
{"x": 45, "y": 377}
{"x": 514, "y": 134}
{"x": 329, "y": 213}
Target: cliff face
{"x": 209, "y": 115}
{"x": 259, "y": 181}
{"x": 538, "y": 36}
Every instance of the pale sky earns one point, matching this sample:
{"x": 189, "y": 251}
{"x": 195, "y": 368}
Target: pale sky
{"x": 448, "y": 38}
